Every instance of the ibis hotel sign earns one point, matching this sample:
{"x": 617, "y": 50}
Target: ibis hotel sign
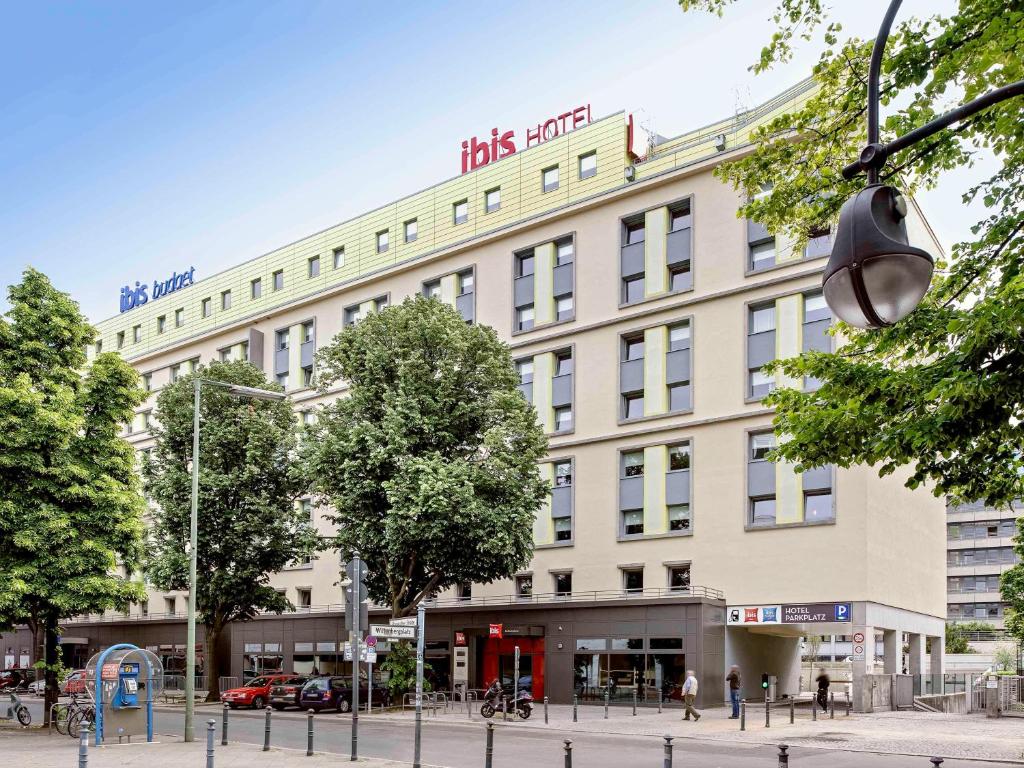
{"x": 477, "y": 152}
{"x": 139, "y": 295}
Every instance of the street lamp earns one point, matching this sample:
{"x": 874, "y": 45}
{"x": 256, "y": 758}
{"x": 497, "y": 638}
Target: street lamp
{"x": 874, "y": 277}
{"x": 190, "y": 644}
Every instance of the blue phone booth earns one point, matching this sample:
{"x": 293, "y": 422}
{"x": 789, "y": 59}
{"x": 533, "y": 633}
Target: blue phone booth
{"x": 124, "y": 681}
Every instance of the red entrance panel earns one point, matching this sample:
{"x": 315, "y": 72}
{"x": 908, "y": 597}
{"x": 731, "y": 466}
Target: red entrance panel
{"x": 495, "y": 649}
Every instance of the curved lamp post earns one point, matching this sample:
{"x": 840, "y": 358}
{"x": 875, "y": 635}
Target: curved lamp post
{"x": 236, "y": 390}
{"x": 874, "y": 277}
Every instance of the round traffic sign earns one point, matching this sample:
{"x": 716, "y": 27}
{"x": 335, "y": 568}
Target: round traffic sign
{"x": 858, "y": 650}
{"x": 858, "y": 637}
{"x": 371, "y": 641}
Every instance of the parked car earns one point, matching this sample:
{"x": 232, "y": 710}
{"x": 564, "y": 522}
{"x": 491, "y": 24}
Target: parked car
{"x": 253, "y": 694}
{"x": 17, "y": 679}
{"x": 285, "y": 693}
{"x": 74, "y": 684}
{"x": 37, "y": 687}
{"x": 332, "y": 692}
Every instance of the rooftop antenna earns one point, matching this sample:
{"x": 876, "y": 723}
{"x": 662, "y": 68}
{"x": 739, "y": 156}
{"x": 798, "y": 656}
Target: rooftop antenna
{"x": 741, "y": 99}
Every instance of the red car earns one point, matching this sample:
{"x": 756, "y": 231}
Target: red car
{"x": 253, "y": 694}
{"x": 74, "y": 684}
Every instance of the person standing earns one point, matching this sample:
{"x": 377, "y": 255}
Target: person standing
{"x": 733, "y": 679}
{"x": 823, "y": 683}
{"x": 690, "y": 695}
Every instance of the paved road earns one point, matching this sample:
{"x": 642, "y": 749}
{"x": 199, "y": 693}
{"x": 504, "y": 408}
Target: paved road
{"x": 462, "y": 745}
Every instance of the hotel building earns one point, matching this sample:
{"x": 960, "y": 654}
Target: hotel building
{"x": 639, "y": 310}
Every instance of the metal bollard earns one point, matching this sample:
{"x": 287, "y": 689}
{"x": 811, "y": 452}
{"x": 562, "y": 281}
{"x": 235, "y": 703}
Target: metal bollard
{"x": 634, "y": 703}
{"x": 545, "y": 710}
{"x": 309, "y": 733}
{"x": 83, "y": 747}
{"x": 814, "y": 709}
{"x": 266, "y": 732}
{"x": 832, "y": 706}
{"x": 847, "y": 703}
{"x": 660, "y": 697}
{"x": 211, "y": 726}
{"x": 936, "y": 761}
{"x": 224, "y": 727}
{"x": 606, "y": 704}
{"x": 575, "y": 707}
{"x": 767, "y": 712}
{"x": 743, "y": 714}
{"x": 668, "y": 752}
{"x": 489, "y": 751}
{"x": 792, "y": 710}
{"x": 504, "y": 708}
{"x": 783, "y": 757}
{"x": 568, "y": 753}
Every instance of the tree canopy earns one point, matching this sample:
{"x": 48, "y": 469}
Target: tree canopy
{"x": 250, "y": 524}
{"x": 71, "y": 527}
{"x": 942, "y": 390}
{"x": 430, "y": 461}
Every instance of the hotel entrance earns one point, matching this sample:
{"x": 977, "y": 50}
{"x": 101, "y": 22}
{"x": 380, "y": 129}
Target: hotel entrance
{"x": 495, "y": 658}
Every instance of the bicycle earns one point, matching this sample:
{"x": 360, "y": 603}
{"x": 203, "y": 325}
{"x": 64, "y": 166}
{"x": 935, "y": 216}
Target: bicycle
{"x": 61, "y": 713}
{"x": 83, "y": 714}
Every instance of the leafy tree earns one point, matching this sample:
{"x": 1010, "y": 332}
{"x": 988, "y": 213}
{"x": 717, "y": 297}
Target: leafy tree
{"x": 430, "y": 462}
{"x": 249, "y": 523}
{"x": 70, "y": 507}
{"x": 956, "y": 640}
{"x": 942, "y": 390}
{"x": 1004, "y": 658}
{"x": 812, "y": 644}
{"x": 400, "y": 664}
{"x": 1011, "y": 585}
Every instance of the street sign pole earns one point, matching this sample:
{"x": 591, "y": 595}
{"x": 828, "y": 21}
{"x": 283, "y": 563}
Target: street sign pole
{"x": 355, "y": 643}
{"x": 515, "y": 684}
{"x": 420, "y": 627}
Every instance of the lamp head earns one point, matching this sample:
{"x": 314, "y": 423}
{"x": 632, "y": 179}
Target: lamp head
{"x": 874, "y": 277}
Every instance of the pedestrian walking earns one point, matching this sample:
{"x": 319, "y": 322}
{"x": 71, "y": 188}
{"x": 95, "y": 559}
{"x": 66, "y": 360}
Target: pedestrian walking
{"x": 733, "y": 678}
{"x": 690, "y": 695}
{"x": 823, "y": 683}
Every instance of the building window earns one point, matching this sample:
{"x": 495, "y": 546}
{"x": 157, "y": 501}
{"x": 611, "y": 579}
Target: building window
{"x": 307, "y": 331}
{"x": 633, "y": 464}
{"x": 120, "y": 339}
{"x": 525, "y": 370}
{"x": 524, "y": 585}
{"x": 563, "y": 584}
{"x": 564, "y": 308}
{"x": 225, "y": 354}
{"x": 147, "y": 382}
{"x": 278, "y": 279}
{"x": 679, "y": 517}
{"x": 762, "y": 319}
{"x": 465, "y": 281}
{"x": 179, "y": 318}
{"x": 170, "y": 607}
{"x": 255, "y": 288}
{"x": 635, "y": 232}
{"x": 679, "y": 277}
{"x": 339, "y": 258}
{"x": 460, "y": 212}
{"x": 633, "y": 348}
{"x": 282, "y": 379}
{"x": 382, "y": 241}
{"x": 175, "y": 372}
{"x": 161, "y": 324}
{"x": 432, "y": 290}
{"x": 815, "y": 308}
{"x": 588, "y": 165}
{"x": 762, "y": 255}
{"x": 679, "y": 577}
{"x": 632, "y": 289}
{"x": 524, "y": 264}
{"x": 760, "y": 383}
{"x": 380, "y": 303}
{"x": 565, "y": 252}
{"x": 679, "y": 217}
{"x": 207, "y": 307}
{"x": 313, "y": 266}
{"x": 243, "y": 353}
{"x": 762, "y": 511}
{"x": 563, "y": 529}
{"x": 411, "y": 230}
{"x": 632, "y": 522}
{"x": 678, "y": 337}
{"x": 305, "y": 597}
{"x": 563, "y": 473}
{"x": 145, "y": 421}
{"x": 563, "y": 363}
{"x": 464, "y": 591}
{"x": 524, "y": 318}
{"x": 137, "y": 334}
{"x": 633, "y": 580}
{"x": 549, "y": 178}
{"x": 563, "y": 418}
{"x": 760, "y": 445}
{"x": 679, "y": 397}
{"x": 818, "y": 506}
{"x": 353, "y": 315}
{"x": 678, "y": 457}
{"x": 282, "y": 338}
{"x": 225, "y": 300}
{"x": 492, "y": 200}
{"x": 633, "y": 405}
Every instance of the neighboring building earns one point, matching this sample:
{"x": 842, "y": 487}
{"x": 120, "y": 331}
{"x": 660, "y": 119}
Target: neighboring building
{"x": 979, "y": 548}
{"x": 639, "y": 310}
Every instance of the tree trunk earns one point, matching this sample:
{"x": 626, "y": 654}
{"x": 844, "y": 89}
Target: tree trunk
{"x": 213, "y": 662}
{"x": 50, "y": 636}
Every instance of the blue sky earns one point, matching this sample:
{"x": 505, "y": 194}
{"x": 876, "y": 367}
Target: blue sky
{"x": 139, "y": 137}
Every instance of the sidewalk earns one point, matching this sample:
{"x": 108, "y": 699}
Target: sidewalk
{"x": 32, "y": 748}
{"x": 902, "y": 733}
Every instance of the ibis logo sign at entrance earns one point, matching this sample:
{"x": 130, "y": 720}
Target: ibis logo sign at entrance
{"x": 795, "y": 613}
{"x": 477, "y": 152}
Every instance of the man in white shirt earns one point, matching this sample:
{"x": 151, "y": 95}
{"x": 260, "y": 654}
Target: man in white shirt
{"x": 690, "y": 695}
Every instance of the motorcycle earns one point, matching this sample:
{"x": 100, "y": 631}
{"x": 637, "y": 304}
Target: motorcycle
{"x": 500, "y": 697}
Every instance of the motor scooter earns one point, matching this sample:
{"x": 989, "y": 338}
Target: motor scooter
{"x": 500, "y": 697}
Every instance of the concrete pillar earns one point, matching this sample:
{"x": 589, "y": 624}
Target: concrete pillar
{"x": 936, "y": 655}
{"x": 916, "y": 664}
{"x": 863, "y": 665}
{"x": 892, "y": 648}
